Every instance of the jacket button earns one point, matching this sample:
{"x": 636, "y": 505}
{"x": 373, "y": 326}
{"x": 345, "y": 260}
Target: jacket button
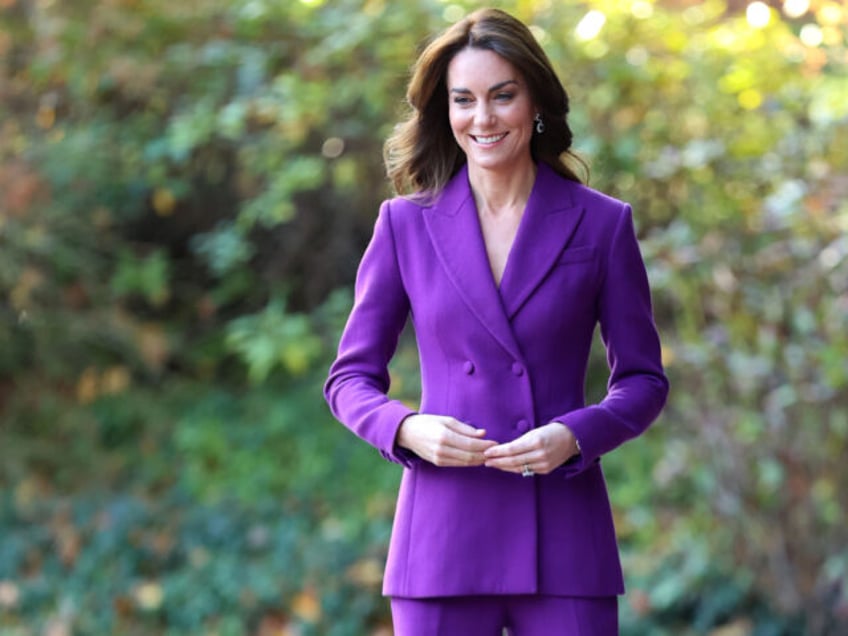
{"x": 522, "y": 426}
{"x": 517, "y": 369}
{"x": 468, "y": 367}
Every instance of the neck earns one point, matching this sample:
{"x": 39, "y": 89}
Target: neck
{"x": 496, "y": 192}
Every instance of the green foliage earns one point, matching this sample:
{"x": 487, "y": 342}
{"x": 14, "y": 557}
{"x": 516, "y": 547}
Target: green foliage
{"x": 274, "y": 338}
{"x": 206, "y": 509}
{"x": 124, "y": 565}
{"x": 182, "y": 190}
{"x": 147, "y": 277}
{"x": 252, "y": 446}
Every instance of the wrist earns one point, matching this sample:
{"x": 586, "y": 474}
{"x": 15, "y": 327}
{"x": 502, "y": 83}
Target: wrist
{"x": 401, "y": 440}
{"x": 575, "y": 441}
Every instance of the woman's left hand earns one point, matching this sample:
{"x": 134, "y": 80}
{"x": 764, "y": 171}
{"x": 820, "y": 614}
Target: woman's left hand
{"x": 541, "y": 450}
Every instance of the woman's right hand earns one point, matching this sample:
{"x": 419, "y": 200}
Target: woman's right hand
{"x": 443, "y": 441}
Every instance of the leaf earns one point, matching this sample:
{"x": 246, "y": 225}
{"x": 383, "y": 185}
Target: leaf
{"x": 307, "y": 606}
{"x": 274, "y": 338}
{"x": 149, "y": 596}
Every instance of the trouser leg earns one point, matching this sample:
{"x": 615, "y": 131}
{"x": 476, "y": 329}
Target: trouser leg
{"x": 563, "y": 616}
{"x": 452, "y": 616}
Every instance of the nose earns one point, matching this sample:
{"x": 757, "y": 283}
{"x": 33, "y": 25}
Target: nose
{"x": 483, "y": 114}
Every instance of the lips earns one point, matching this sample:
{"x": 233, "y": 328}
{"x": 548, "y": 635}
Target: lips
{"x": 488, "y": 140}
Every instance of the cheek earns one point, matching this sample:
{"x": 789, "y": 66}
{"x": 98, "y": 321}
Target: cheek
{"x": 458, "y": 119}
{"x": 523, "y": 122}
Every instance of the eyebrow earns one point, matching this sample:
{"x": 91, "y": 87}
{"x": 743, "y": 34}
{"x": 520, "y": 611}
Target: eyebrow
{"x": 492, "y": 89}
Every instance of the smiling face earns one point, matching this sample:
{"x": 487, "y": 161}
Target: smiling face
{"x": 491, "y": 113}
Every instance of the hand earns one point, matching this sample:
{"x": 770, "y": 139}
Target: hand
{"x": 541, "y": 450}
{"x": 443, "y": 441}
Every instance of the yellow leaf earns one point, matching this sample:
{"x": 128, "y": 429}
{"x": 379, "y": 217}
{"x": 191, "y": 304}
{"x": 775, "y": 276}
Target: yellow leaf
{"x": 45, "y": 117}
{"x": 306, "y": 606}
{"x": 367, "y": 572}
{"x": 164, "y": 201}
{"x": 740, "y": 627}
{"x": 668, "y": 356}
{"x": 88, "y": 386}
{"x": 115, "y": 380}
{"x": 153, "y": 345}
{"x": 149, "y": 596}
{"x": 750, "y": 99}
{"x": 29, "y": 491}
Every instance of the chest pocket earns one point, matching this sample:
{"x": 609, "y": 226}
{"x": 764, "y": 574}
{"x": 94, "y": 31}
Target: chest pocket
{"x": 577, "y": 255}
{"x": 576, "y": 274}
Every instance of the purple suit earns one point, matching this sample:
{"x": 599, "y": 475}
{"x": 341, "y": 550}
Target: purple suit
{"x": 505, "y": 359}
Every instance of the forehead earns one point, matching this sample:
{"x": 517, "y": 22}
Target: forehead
{"x": 479, "y": 68}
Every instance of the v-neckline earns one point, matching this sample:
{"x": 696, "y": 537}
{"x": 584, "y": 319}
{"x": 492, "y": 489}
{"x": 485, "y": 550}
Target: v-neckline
{"x": 519, "y": 231}
{"x": 509, "y": 251}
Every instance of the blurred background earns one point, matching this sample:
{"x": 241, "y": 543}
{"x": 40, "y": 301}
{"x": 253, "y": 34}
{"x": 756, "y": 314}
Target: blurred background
{"x": 185, "y": 190}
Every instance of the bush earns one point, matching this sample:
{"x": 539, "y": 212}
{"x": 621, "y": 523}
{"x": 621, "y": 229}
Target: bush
{"x": 180, "y": 194}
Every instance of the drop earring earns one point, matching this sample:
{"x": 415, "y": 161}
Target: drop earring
{"x": 540, "y": 125}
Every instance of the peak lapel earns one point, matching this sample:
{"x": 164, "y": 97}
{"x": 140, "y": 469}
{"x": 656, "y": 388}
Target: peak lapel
{"x": 549, "y": 222}
{"x": 454, "y": 230}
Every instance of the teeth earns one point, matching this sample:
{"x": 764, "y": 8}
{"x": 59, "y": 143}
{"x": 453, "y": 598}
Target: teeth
{"x": 490, "y": 140}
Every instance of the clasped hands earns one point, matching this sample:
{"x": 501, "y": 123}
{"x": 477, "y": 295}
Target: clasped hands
{"x": 445, "y": 441}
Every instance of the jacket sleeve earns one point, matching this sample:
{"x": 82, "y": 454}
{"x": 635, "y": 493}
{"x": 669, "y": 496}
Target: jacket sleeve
{"x": 637, "y": 387}
{"x": 358, "y": 382}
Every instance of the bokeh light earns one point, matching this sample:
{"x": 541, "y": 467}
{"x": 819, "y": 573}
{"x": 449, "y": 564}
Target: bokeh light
{"x": 590, "y": 26}
{"x": 758, "y": 15}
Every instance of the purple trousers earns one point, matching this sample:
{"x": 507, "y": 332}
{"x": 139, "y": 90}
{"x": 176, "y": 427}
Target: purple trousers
{"x": 518, "y": 615}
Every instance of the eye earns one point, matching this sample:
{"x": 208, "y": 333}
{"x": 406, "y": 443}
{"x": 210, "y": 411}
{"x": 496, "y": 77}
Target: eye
{"x": 504, "y": 97}
{"x": 461, "y": 100}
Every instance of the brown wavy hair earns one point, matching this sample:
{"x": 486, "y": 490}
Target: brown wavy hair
{"x": 422, "y": 155}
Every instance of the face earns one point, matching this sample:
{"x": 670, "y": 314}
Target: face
{"x": 491, "y": 114}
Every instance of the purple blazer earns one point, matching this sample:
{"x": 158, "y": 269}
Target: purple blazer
{"x": 507, "y": 359}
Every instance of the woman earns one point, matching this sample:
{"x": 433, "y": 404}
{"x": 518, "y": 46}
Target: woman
{"x": 505, "y": 263}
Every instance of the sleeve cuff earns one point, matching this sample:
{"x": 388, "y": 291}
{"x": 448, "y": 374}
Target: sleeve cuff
{"x": 391, "y": 451}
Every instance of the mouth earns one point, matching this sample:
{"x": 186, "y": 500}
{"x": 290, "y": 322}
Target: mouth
{"x": 488, "y": 140}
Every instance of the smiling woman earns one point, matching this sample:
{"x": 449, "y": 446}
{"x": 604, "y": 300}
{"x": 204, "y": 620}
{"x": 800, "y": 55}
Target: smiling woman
{"x": 423, "y": 154}
{"x": 506, "y": 264}
{"x": 491, "y": 113}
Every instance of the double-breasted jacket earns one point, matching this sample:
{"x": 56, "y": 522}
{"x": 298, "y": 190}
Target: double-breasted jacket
{"x": 505, "y": 358}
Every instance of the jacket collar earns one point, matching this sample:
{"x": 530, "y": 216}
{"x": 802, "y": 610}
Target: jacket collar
{"x": 549, "y": 222}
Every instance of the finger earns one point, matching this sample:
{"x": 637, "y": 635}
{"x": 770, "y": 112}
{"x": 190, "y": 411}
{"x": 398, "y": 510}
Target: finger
{"x": 513, "y": 459}
{"x": 511, "y": 449}
{"x": 465, "y": 443}
{"x": 457, "y": 449}
{"x": 536, "y": 469}
{"x": 461, "y": 428}
{"x": 513, "y": 464}
{"x": 452, "y": 456}
{"x": 509, "y": 468}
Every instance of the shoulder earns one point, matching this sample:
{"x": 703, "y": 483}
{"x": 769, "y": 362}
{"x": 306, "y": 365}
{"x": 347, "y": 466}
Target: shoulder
{"x": 577, "y": 195}
{"x": 595, "y": 199}
{"x": 412, "y": 209}
{"x": 403, "y": 215}
{"x": 403, "y": 206}
{"x": 605, "y": 213}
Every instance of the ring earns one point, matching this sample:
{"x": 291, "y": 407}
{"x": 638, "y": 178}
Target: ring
{"x": 526, "y": 471}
